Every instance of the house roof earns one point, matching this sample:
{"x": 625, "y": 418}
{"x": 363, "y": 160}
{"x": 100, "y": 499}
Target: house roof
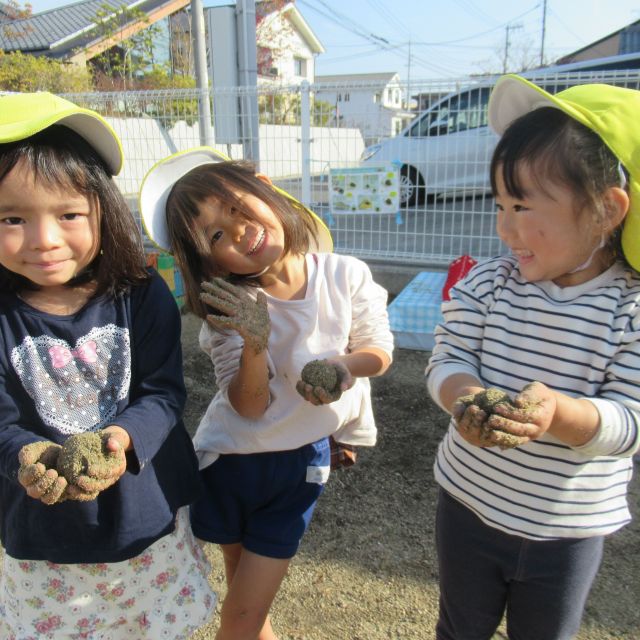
{"x": 56, "y": 33}
{"x": 290, "y": 12}
{"x": 570, "y": 56}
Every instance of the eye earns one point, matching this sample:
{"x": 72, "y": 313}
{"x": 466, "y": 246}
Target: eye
{"x": 520, "y": 207}
{"x": 71, "y": 216}
{"x": 215, "y": 237}
{"x": 11, "y": 221}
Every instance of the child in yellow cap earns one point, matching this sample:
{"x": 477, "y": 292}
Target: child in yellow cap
{"x": 538, "y": 362}
{"x": 96, "y": 466}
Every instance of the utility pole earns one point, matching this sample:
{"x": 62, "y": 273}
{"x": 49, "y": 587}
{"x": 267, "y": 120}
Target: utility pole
{"x": 409, "y": 79}
{"x": 544, "y": 28}
{"x": 508, "y": 28}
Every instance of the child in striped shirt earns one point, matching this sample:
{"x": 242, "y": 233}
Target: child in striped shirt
{"x": 531, "y": 485}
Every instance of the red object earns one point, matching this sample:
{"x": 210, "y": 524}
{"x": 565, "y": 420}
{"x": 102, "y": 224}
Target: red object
{"x": 152, "y": 259}
{"x": 458, "y": 269}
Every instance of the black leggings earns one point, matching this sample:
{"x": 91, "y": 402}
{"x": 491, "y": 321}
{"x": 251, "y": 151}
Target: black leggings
{"x": 542, "y": 585}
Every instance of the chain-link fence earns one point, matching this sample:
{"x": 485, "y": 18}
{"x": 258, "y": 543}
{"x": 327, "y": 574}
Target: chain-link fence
{"x": 301, "y": 135}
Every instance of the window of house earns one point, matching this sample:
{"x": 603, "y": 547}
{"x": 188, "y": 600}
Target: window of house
{"x": 300, "y": 67}
{"x": 377, "y": 97}
{"x": 346, "y": 97}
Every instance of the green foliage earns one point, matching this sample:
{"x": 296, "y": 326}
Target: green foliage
{"x": 20, "y": 72}
{"x": 284, "y": 108}
{"x": 130, "y": 57}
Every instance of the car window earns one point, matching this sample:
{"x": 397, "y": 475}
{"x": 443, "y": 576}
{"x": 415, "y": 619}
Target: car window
{"x": 467, "y": 110}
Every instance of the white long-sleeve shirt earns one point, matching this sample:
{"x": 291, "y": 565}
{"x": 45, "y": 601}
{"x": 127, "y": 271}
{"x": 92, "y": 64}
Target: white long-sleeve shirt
{"x": 583, "y": 341}
{"x": 343, "y": 310}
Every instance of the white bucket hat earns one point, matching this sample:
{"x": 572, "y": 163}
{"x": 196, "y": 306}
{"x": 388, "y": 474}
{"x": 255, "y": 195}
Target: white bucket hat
{"x": 157, "y": 184}
{"x": 25, "y": 114}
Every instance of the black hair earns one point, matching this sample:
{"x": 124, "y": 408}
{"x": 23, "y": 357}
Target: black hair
{"x": 223, "y": 180}
{"x": 559, "y": 149}
{"x": 61, "y": 158}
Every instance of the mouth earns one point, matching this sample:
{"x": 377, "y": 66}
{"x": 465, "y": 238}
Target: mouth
{"x": 522, "y": 254}
{"x": 47, "y": 266}
{"x": 257, "y": 243}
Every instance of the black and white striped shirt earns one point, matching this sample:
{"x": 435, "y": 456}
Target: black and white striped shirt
{"x": 583, "y": 341}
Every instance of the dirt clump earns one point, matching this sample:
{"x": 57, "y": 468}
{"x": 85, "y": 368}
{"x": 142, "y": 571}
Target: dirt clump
{"x": 320, "y": 373}
{"x": 84, "y": 451}
{"x": 488, "y": 400}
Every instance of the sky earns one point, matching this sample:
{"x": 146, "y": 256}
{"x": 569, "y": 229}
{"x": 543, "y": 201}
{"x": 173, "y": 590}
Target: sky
{"x": 429, "y": 39}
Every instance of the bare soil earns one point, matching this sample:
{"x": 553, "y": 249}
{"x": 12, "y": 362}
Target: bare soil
{"x": 366, "y": 569}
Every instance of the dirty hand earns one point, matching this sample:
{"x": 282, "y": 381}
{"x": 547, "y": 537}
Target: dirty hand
{"x": 531, "y": 414}
{"x": 318, "y": 394}
{"x": 38, "y": 474}
{"x": 104, "y": 471}
{"x": 249, "y": 317}
{"x": 469, "y": 419}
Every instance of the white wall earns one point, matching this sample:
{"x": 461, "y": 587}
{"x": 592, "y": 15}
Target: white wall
{"x": 145, "y": 142}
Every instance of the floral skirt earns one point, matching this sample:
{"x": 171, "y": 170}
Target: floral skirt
{"x": 161, "y": 593}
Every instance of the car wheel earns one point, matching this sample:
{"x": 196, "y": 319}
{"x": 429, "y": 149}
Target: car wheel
{"x": 412, "y": 189}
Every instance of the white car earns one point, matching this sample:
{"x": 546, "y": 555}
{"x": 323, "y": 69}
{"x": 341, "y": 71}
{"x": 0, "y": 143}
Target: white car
{"x": 445, "y": 151}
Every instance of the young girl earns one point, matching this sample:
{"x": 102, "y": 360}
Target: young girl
{"x": 556, "y": 325}
{"x": 90, "y": 342}
{"x": 273, "y": 304}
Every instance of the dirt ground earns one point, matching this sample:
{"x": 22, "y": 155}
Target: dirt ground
{"x": 366, "y": 569}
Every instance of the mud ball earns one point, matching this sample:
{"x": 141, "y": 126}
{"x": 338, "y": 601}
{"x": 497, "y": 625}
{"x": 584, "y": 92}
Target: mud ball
{"x": 320, "y": 373}
{"x": 488, "y": 400}
{"x": 83, "y": 450}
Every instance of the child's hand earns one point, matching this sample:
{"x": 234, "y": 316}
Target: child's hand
{"x": 481, "y": 420}
{"x": 470, "y": 419}
{"x": 250, "y": 318}
{"x": 531, "y": 413}
{"x": 313, "y": 383}
{"x": 38, "y": 474}
{"x": 90, "y": 471}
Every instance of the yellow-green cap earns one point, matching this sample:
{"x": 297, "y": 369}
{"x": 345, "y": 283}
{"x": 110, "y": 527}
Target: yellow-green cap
{"x": 611, "y": 112}
{"x": 25, "y": 114}
{"x": 157, "y": 184}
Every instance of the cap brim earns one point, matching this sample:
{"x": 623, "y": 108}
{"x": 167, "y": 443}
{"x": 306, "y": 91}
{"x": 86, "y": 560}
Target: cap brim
{"x": 156, "y": 187}
{"x": 513, "y": 96}
{"x": 24, "y": 115}
{"x": 157, "y": 184}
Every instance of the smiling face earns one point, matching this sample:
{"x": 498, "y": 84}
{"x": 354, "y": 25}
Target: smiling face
{"x": 245, "y": 238}
{"x": 47, "y": 234}
{"x": 544, "y": 231}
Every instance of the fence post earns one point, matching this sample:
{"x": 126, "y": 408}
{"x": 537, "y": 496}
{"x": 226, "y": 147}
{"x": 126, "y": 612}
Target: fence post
{"x": 305, "y": 142}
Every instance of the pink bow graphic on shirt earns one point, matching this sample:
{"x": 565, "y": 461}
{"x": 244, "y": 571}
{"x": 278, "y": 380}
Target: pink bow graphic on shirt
{"x": 61, "y": 356}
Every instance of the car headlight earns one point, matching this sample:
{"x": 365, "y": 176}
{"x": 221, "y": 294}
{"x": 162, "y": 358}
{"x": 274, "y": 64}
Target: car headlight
{"x": 369, "y": 152}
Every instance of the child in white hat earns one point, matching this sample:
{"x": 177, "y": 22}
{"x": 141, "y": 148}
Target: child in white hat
{"x": 277, "y": 301}
{"x": 538, "y": 362}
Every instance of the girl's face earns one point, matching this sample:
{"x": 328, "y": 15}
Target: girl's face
{"x": 544, "y": 232}
{"x": 47, "y": 234}
{"x": 244, "y": 243}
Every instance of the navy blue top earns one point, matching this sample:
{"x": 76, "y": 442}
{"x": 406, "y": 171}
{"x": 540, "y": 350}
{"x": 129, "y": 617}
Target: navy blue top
{"x": 116, "y": 361}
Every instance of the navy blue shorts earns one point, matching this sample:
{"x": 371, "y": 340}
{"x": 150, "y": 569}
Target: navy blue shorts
{"x": 263, "y": 501}
{"x": 542, "y": 585}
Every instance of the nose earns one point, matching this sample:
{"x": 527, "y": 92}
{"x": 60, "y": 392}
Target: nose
{"x": 236, "y": 225}
{"x": 44, "y": 234}
{"x": 504, "y": 224}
